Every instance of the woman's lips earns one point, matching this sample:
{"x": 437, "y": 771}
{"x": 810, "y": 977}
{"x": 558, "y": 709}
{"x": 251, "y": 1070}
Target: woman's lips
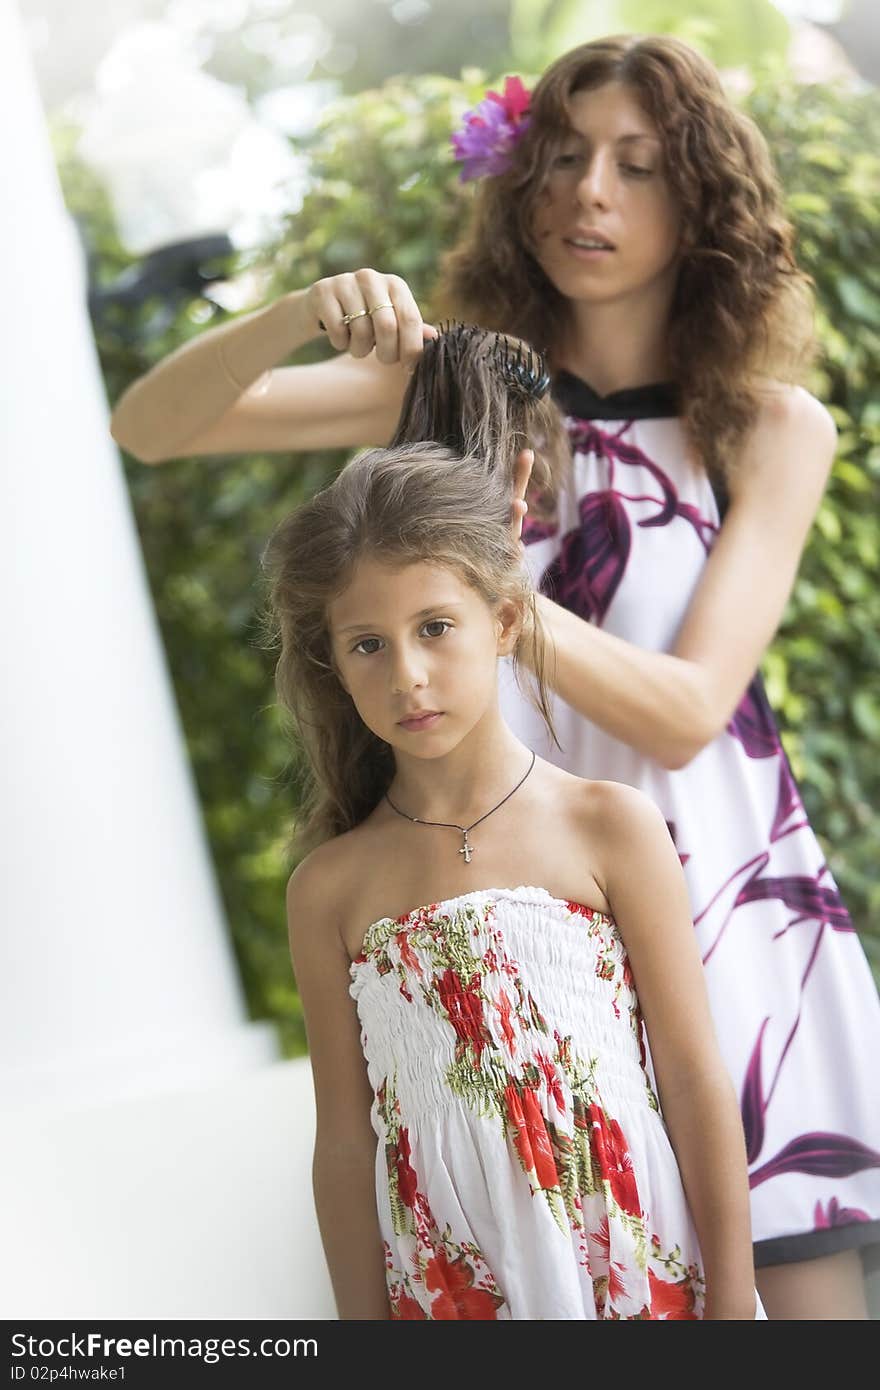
{"x": 588, "y": 253}
{"x": 421, "y": 721}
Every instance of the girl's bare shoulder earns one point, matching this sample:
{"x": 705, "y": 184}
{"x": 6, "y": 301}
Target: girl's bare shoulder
{"x": 604, "y": 810}
{"x": 323, "y": 883}
{"x": 609, "y": 814}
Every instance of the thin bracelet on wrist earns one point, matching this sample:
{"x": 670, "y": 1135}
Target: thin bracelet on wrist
{"x": 226, "y": 369}
{"x": 257, "y": 388}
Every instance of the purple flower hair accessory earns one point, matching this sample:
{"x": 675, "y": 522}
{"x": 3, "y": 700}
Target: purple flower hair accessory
{"x": 490, "y": 131}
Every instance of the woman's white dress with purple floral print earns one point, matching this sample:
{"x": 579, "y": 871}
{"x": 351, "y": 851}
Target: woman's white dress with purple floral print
{"x": 793, "y": 998}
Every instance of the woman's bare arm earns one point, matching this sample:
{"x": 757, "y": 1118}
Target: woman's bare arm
{"x": 344, "y": 1166}
{"x": 224, "y": 392}
{"x": 642, "y": 878}
{"x": 669, "y": 705}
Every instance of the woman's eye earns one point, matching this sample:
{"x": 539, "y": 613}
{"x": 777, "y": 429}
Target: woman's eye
{"x": 364, "y": 646}
{"x": 566, "y": 161}
{"x": 440, "y": 623}
{"x": 637, "y": 169}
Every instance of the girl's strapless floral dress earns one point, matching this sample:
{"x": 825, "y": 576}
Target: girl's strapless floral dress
{"x": 523, "y": 1167}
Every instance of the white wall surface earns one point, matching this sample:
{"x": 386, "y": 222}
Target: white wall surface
{"x": 192, "y": 1205}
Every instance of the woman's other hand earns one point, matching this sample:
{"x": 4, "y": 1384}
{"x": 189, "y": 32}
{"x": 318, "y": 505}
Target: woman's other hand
{"x": 522, "y": 472}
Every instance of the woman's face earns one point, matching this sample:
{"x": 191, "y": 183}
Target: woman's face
{"x": 417, "y": 650}
{"x": 606, "y": 225}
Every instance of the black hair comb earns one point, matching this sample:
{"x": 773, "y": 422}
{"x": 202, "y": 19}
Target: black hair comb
{"x": 456, "y": 336}
{"x": 520, "y": 367}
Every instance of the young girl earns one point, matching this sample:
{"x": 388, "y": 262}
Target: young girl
{"x": 476, "y": 923}
{"x": 633, "y": 226}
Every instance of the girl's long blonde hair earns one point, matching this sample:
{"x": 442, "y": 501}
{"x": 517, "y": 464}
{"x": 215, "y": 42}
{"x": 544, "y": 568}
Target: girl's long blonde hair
{"x": 441, "y": 494}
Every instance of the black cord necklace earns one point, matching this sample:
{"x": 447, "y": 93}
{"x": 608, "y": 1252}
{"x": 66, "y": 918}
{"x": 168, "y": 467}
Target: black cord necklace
{"x": 467, "y": 848}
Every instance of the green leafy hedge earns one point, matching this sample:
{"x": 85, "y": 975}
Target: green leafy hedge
{"x": 385, "y": 193}
{"x": 823, "y": 670}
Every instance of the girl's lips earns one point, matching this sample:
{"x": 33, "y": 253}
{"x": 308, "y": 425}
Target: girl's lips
{"x": 419, "y": 722}
{"x": 588, "y": 253}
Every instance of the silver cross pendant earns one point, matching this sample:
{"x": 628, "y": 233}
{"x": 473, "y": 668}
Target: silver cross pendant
{"x": 466, "y": 849}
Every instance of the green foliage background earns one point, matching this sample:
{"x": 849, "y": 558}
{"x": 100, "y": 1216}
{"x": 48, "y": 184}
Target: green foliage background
{"x": 385, "y": 193}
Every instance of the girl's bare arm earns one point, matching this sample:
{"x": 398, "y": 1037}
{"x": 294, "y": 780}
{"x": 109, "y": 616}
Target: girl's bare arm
{"x": 645, "y": 886}
{"x": 224, "y": 393}
{"x": 669, "y": 705}
{"x": 344, "y": 1163}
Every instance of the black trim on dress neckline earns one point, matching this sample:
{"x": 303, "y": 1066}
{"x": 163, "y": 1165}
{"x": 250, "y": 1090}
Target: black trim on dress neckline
{"x": 657, "y": 401}
{"x": 574, "y": 396}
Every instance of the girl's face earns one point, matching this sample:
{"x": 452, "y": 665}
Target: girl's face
{"x": 417, "y": 650}
{"x": 607, "y": 224}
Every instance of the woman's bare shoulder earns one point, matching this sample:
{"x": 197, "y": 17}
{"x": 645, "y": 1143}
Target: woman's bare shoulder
{"x": 792, "y": 443}
{"x": 782, "y": 405}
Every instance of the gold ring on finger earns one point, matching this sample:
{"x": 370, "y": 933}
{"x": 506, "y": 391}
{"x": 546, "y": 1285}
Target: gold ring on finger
{"x": 350, "y": 318}
{"x": 376, "y": 307}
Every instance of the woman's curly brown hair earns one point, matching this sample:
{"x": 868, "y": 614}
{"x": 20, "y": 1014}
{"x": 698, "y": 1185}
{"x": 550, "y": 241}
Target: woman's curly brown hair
{"x": 742, "y": 309}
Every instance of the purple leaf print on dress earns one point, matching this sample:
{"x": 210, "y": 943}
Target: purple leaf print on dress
{"x": 706, "y": 530}
{"x": 753, "y": 1105}
{"x": 753, "y": 723}
{"x": 836, "y": 1215}
{"x": 787, "y": 802}
{"x": 682, "y": 858}
{"x": 811, "y": 899}
{"x": 821, "y": 1155}
{"x": 587, "y": 438}
{"x": 539, "y": 525}
{"x": 585, "y": 575}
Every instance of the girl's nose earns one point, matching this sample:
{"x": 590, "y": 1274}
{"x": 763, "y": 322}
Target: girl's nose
{"x": 407, "y": 673}
{"x": 594, "y": 188}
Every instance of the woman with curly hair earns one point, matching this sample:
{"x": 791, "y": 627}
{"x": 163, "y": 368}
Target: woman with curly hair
{"x": 629, "y": 223}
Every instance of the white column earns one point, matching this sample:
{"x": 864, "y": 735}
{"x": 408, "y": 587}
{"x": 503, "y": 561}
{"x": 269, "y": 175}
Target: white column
{"x": 152, "y": 1164}
{"x": 118, "y": 975}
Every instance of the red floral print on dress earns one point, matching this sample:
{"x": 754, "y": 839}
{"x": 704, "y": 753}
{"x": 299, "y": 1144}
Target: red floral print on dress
{"x": 616, "y": 1284}
{"x": 531, "y": 1137}
{"x": 504, "y": 1015}
{"x": 407, "y": 1179}
{"x": 518, "y": 1066}
{"x": 602, "y": 1239}
{"x": 407, "y": 955}
{"x": 406, "y": 1309}
{"x": 453, "y": 1282}
{"x": 582, "y": 910}
{"x": 418, "y": 915}
{"x": 672, "y": 1302}
{"x": 551, "y": 1076}
{"x": 464, "y": 1008}
{"x": 612, "y": 1152}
